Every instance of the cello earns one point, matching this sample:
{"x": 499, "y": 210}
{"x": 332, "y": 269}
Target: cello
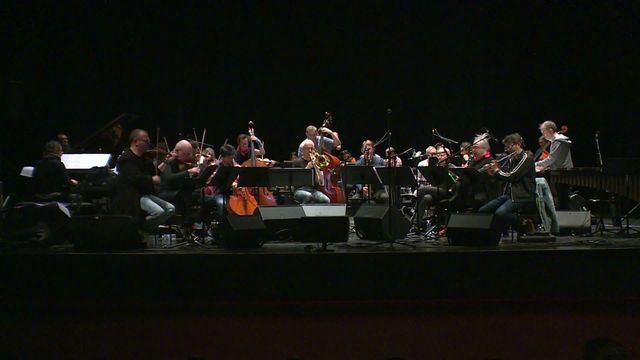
{"x": 265, "y": 197}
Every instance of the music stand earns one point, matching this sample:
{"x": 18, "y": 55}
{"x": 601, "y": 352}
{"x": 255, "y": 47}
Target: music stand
{"x": 223, "y": 179}
{"x": 436, "y": 176}
{"x": 395, "y": 177}
{"x": 360, "y": 175}
{"x": 253, "y": 177}
{"x": 291, "y": 178}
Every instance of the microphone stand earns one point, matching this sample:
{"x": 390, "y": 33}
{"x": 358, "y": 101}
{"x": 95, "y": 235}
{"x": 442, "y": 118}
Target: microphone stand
{"x": 392, "y": 183}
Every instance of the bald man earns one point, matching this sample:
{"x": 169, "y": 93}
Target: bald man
{"x": 179, "y": 180}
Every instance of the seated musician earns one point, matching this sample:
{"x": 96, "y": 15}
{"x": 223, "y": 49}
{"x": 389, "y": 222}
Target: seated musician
{"x": 50, "y": 179}
{"x": 135, "y": 184}
{"x": 486, "y": 187}
{"x": 390, "y": 153}
{"x": 519, "y": 175}
{"x": 63, "y": 139}
{"x": 370, "y": 158}
{"x": 427, "y": 193}
{"x": 346, "y": 157}
{"x": 180, "y": 179}
{"x": 243, "y": 150}
{"x": 330, "y": 139}
{"x": 306, "y": 194}
{"x": 216, "y": 195}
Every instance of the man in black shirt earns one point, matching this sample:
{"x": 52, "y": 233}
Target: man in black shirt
{"x": 136, "y": 182}
{"x": 520, "y": 183}
{"x": 50, "y": 179}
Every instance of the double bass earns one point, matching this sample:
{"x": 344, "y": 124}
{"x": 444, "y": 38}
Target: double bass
{"x": 265, "y": 197}
{"x": 331, "y": 172}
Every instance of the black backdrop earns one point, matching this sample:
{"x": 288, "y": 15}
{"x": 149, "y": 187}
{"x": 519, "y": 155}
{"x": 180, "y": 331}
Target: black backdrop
{"x": 455, "y": 66}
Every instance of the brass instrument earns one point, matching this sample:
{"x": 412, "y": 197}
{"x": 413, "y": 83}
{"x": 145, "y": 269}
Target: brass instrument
{"x": 319, "y": 161}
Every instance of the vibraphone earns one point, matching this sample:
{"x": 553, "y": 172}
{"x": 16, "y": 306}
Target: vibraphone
{"x": 627, "y": 185}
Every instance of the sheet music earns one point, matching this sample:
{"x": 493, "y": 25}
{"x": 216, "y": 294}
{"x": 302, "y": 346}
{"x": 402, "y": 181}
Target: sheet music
{"x": 85, "y": 161}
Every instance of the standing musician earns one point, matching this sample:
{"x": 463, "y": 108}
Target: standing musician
{"x": 243, "y": 150}
{"x": 135, "y": 184}
{"x": 330, "y": 139}
{"x": 305, "y": 194}
{"x": 559, "y": 150}
{"x": 559, "y": 158}
{"x": 390, "y": 154}
{"x": 520, "y": 183}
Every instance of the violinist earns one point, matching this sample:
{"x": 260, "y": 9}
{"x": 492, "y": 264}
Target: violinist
{"x": 180, "y": 179}
{"x": 330, "y": 139}
{"x": 243, "y": 150}
{"x": 217, "y": 196}
{"x": 346, "y": 157}
{"x": 390, "y": 154}
{"x": 520, "y": 188}
{"x": 135, "y": 184}
{"x": 305, "y": 194}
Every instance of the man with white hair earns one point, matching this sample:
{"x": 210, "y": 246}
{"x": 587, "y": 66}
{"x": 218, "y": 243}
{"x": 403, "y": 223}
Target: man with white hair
{"x": 330, "y": 139}
{"x": 307, "y": 194}
{"x": 485, "y": 187}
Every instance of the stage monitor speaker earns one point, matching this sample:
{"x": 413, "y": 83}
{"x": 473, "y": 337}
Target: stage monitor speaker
{"x": 574, "y": 222}
{"x": 329, "y": 229}
{"x": 243, "y": 232}
{"x": 106, "y": 232}
{"x": 473, "y": 230}
{"x": 315, "y": 210}
{"x": 282, "y": 222}
{"x": 381, "y": 223}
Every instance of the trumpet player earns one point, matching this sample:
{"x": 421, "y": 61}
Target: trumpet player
{"x": 520, "y": 185}
{"x": 308, "y": 160}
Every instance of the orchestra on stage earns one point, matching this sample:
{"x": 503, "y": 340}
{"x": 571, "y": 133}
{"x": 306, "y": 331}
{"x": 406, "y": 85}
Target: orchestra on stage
{"x": 155, "y": 183}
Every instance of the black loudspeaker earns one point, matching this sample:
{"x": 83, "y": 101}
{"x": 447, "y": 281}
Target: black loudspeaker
{"x": 243, "y": 232}
{"x": 282, "y": 222}
{"x": 574, "y": 222}
{"x": 329, "y": 229}
{"x": 473, "y": 230}
{"x": 379, "y": 222}
{"x": 106, "y": 232}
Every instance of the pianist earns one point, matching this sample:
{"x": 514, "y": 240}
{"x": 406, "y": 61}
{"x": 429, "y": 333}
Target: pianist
{"x": 50, "y": 179}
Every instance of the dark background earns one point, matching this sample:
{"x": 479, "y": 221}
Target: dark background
{"x": 455, "y": 66}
